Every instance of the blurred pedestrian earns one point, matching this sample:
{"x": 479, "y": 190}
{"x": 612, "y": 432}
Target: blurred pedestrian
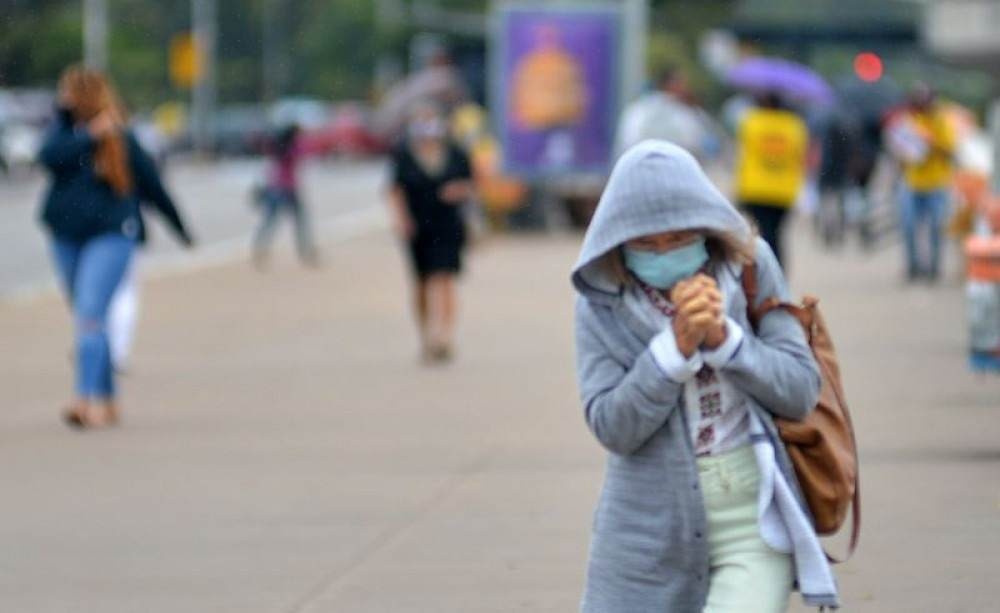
{"x": 670, "y": 112}
{"x": 926, "y": 142}
{"x": 773, "y": 148}
{"x": 431, "y": 180}
{"x": 124, "y": 311}
{"x": 700, "y": 509}
{"x": 437, "y": 80}
{"x": 98, "y": 176}
{"x": 280, "y": 194}
{"x": 839, "y": 145}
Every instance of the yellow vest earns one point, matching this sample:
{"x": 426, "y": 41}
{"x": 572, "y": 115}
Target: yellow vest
{"x": 771, "y": 165}
{"x": 934, "y": 172}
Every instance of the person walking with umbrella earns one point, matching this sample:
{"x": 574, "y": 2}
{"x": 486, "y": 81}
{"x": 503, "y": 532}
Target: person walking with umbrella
{"x": 99, "y": 173}
{"x": 773, "y": 141}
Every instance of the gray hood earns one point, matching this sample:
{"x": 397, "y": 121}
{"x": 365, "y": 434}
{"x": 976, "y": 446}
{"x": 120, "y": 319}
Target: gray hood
{"x": 655, "y": 187}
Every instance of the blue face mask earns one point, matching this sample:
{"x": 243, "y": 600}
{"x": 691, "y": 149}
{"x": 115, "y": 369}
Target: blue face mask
{"x": 663, "y": 270}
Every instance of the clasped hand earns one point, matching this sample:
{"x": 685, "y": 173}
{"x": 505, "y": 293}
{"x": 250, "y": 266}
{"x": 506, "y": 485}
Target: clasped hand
{"x": 699, "y": 320}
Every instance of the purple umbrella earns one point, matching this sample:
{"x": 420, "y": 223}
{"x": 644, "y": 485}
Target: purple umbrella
{"x": 788, "y": 78}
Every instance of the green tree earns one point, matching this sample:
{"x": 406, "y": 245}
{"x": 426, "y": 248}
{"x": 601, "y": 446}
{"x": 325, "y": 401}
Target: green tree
{"x": 335, "y": 49}
{"x": 37, "y": 39}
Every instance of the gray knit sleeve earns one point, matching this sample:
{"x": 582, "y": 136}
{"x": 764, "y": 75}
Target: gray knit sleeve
{"x": 624, "y": 405}
{"x": 776, "y": 366}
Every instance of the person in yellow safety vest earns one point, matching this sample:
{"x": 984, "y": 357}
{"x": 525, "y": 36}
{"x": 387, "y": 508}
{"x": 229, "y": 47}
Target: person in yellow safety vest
{"x": 926, "y": 182}
{"x": 772, "y": 143}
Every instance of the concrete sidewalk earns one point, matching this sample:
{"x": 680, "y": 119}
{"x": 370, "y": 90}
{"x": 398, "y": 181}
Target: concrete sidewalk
{"x": 283, "y": 451}
{"x": 214, "y": 199}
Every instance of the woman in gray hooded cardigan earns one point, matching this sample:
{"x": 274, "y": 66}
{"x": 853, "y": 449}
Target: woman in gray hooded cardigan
{"x": 700, "y": 509}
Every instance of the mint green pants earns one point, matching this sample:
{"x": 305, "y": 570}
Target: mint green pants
{"x": 746, "y": 575}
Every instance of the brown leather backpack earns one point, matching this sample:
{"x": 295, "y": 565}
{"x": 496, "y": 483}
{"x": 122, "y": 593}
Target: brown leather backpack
{"x": 821, "y": 446}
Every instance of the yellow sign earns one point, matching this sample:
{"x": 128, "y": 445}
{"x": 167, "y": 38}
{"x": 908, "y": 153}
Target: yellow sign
{"x": 185, "y": 60}
{"x": 170, "y": 118}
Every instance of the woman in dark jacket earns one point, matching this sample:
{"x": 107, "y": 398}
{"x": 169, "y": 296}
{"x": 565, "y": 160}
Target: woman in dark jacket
{"x": 99, "y": 174}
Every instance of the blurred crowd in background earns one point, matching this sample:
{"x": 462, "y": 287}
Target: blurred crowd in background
{"x": 871, "y": 119}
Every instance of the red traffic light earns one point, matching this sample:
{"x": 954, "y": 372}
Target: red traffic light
{"x": 868, "y": 67}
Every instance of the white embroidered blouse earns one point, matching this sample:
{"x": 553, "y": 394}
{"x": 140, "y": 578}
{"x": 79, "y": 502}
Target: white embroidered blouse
{"x": 716, "y": 411}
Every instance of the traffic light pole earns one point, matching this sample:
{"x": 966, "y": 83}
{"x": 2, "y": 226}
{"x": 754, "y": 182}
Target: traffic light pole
{"x": 95, "y": 34}
{"x": 204, "y": 27}
{"x": 269, "y": 50}
{"x": 636, "y": 17}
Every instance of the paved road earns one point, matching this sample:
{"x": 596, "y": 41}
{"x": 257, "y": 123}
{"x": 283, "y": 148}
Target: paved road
{"x": 214, "y": 199}
{"x": 284, "y": 452}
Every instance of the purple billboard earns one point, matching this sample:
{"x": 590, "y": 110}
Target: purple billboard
{"x": 556, "y": 88}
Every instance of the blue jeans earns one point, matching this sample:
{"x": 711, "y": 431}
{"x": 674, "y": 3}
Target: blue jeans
{"x": 275, "y": 200}
{"x": 916, "y": 210}
{"x": 90, "y": 272}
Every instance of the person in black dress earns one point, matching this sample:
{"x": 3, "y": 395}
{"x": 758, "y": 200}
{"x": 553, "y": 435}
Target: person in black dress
{"x": 431, "y": 180}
